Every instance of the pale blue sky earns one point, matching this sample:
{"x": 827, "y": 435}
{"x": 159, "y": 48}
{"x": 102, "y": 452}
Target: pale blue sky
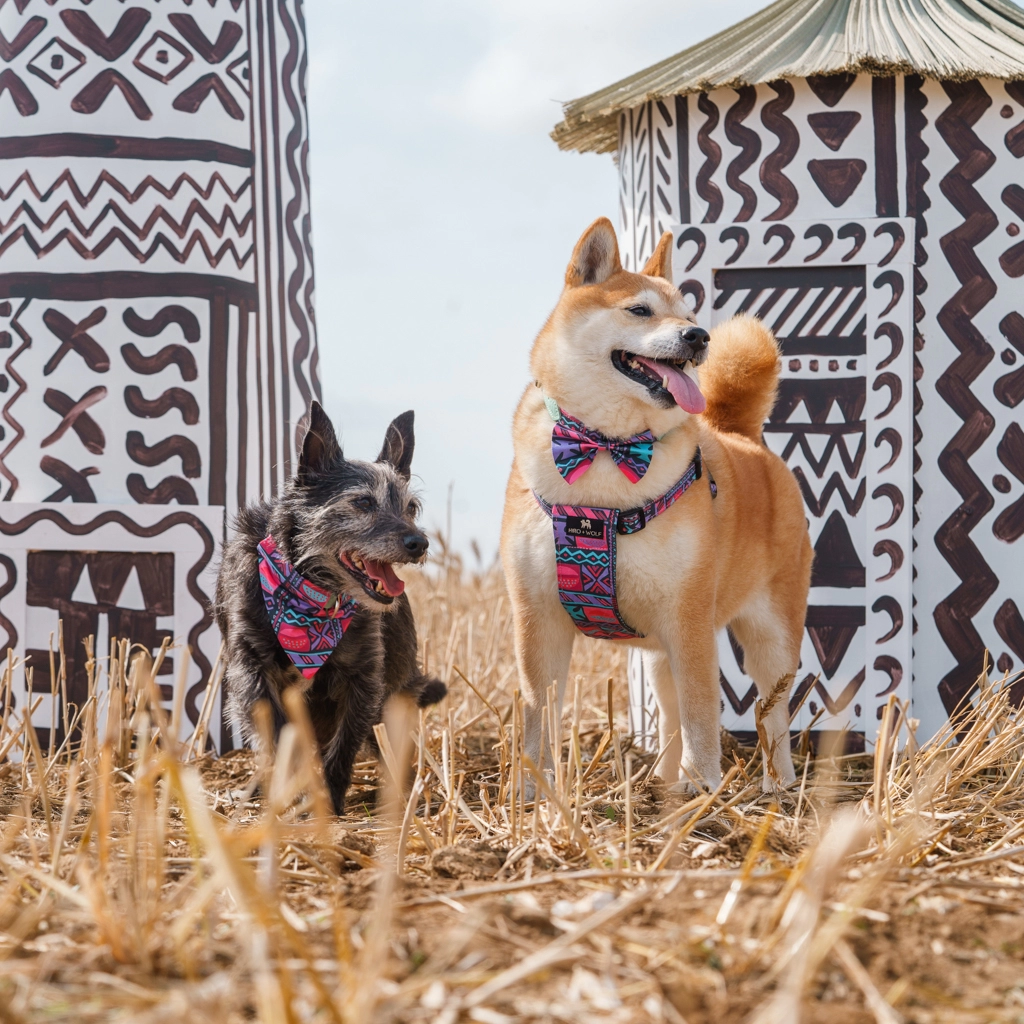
{"x": 443, "y": 215}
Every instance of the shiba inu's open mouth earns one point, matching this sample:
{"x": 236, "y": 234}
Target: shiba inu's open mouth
{"x": 378, "y": 578}
{"x": 666, "y": 380}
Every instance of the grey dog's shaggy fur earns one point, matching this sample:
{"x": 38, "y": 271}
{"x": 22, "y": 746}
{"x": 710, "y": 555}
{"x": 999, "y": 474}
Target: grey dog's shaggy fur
{"x": 332, "y": 505}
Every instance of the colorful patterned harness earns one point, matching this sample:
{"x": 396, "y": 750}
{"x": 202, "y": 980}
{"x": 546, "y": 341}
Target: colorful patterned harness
{"x": 309, "y": 622}
{"x": 585, "y": 539}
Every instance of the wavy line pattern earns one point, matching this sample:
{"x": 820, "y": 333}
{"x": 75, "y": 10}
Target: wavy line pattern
{"x": 776, "y": 184}
{"x": 918, "y": 204}
{"x": 953, "y": 615}
{"x": 750, "y": 149}
{"x": 300, "y": 247}
{"x": 706, "y": 188}
{"x": 172, "y": 398}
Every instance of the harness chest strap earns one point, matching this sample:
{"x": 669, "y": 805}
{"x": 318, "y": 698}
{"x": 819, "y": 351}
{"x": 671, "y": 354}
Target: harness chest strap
{"x": 585, "y": 553}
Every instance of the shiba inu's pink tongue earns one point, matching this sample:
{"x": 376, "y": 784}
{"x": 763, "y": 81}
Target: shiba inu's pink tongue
{"x": 681, "y": 386}
{"x": 385, "y": 575}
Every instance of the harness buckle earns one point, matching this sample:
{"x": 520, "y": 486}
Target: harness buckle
{"x": 625, "y": 525}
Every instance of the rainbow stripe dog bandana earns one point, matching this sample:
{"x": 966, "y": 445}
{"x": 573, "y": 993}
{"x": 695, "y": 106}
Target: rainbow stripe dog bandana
{"x": 309, "y": 623}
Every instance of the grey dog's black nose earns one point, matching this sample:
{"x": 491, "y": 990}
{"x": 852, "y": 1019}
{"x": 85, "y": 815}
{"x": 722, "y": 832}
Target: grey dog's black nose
{"x": 415, "y": 543}
{"x": 697, "y": 337}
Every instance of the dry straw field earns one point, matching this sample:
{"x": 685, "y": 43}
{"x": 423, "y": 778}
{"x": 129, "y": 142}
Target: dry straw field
{"x": 144, "y": 880}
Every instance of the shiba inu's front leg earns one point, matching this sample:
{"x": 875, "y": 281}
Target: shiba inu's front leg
{"x": 693, "y": 655}
{"x": 543, "y": 639}
{"x": 658, "y": 668}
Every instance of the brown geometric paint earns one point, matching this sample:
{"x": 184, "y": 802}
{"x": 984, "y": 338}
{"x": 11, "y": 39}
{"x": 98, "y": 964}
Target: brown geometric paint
{"x": 212, "y": 53}
{"x": 173, "y": 398}
{"x": 74, "y": 416}
{"x": 832, "y": 629}
{"x": 775, "y": 183}
{"x": 837, "y": 179}
{"x": 749, "y": 143}
{"x": 179, "y": 315}
{"x": 127, "y": 30}
{"x": 705, "y": 187}
{"x": 953, "y": 614}
{"x": 175, "y": 446}
{"x": 94, "y": 95}
{"x": 830, "y": 89}
{"x": 835, "y": 557}
{"x": 191, "y": 99}
{"x": 75, "y": 337}
{"x": 833, "y": 126}
{"x": 28, "y": 32}
{"x": 177, "y": 355}
{"x": 73, "y": 482}
{"x": 883, "y": 114}
{"x": 888, "y": 604}
{"x": 171, "y": 488}
{"x": 24, "y": 102}
{"x": 1009, "y": 524}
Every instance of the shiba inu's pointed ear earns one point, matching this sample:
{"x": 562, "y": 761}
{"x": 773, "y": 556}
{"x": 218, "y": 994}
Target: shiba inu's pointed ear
{"x": 399, "y": 443}
{"x": 320, "y": 448}
{"x": 596, "y": 256}
{"x": 660, "y": 263}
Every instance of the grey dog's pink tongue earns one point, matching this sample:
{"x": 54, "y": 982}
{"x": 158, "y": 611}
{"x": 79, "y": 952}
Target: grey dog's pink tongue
{"x": 682, "y": 387}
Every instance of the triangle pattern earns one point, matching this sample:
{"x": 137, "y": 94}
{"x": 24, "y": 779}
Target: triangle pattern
{"x": 131, "y": 592}
{"x": 835, "y": 558}
{"x": 830, "y": 89}
{"x": 837, "y": 179}
{"x": 833, "y": 126}
{"x": 831, "y": 644}
{"x": 83, "y": 591}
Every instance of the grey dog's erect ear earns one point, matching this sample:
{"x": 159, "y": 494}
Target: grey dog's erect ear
{"x": 320, "y": 448}
{"x": 596, "y": 256}
{"x": 399, "y": 443}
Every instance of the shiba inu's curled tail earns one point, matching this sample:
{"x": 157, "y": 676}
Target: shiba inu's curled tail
{"x": 740, "y": 379}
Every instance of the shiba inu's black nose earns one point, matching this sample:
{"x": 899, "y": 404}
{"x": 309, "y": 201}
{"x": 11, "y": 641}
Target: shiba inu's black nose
{"x": 697, "y": 337}
{"x": 415, "y": 543}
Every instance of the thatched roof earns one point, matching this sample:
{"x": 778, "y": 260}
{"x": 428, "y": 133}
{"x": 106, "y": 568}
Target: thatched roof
{"x": 944, "y": 39}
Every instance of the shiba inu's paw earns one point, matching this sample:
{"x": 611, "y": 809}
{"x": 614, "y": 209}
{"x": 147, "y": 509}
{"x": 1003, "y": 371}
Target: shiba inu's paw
{"x": 693, "y": 785}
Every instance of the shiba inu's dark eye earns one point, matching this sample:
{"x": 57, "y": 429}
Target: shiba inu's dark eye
{"x": 641, "y": 309}
{"x": 364, "y": 503}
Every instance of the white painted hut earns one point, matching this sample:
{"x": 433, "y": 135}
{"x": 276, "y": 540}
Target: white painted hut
{"x": 850, "y": 171}
{"x": 155, "y": 312}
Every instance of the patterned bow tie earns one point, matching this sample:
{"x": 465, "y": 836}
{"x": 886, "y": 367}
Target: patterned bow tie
{"x": 574, "y": 446}
{"x": 309, "y": 623}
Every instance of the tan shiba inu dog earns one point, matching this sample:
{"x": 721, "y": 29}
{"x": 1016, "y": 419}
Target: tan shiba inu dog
{"x": 619, "y": 354}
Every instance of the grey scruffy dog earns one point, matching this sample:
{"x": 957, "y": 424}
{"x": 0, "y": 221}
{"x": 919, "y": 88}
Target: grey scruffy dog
{"x": 341, "y": 523}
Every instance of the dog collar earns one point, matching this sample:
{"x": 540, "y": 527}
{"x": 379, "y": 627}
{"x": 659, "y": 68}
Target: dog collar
{"x": 309, "y": 622}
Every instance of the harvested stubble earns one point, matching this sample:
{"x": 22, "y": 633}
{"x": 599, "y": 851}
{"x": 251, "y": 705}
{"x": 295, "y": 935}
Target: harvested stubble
{"x": 142, "y": 881}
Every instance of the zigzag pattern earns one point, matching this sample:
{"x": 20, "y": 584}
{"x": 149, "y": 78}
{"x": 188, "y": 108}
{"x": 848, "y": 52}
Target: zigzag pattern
{"x": 117, "y": 235}
{"x": 83, "y": 197}
{"x": 195, "y": 209}
{"x": 954, "y": 613}
{"x": 834, "y": 485}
